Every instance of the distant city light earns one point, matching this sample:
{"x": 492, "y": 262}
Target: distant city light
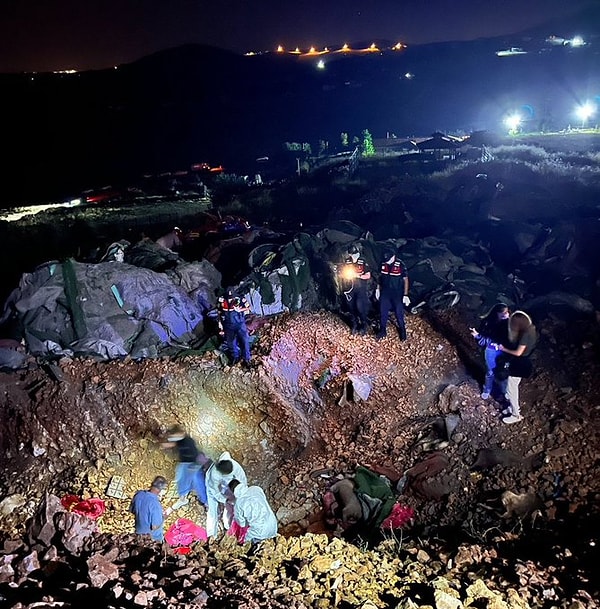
{"x": 312, "y": 50}
{"x": 345, "y": 47}
{"x": 513, "y": 122}
{"x": 585, "y": 111}
{"x": 409, "y": 76}
{"x": 577, "y": 41}
{"x": 280, "y": 49}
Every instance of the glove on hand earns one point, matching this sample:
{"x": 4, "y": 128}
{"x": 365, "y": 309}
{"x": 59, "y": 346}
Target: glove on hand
{"x": 405, "y": 301}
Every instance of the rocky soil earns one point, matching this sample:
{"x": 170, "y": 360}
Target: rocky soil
{"x": 508, "y": 519}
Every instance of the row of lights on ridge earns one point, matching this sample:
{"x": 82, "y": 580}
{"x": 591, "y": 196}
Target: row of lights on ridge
{"x": 372, "y": 48}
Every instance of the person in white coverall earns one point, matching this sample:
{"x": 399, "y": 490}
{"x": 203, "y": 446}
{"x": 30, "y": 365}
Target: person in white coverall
{"x": 220, "y": 474}
{"x": 251, "y": 509}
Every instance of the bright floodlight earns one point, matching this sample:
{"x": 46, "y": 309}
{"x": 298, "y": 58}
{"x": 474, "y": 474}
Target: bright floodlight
{"x": 513, "y": 122}
{"x": 577, "y": 41}
{"x": 586, "y": 111}
{"x": 321, "y": 64}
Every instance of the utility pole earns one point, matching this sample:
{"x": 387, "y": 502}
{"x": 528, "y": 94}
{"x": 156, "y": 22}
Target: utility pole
{"x": 298, "y": 165}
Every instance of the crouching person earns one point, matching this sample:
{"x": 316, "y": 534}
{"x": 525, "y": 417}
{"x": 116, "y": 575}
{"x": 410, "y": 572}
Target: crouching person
{"x": 218, "y": 476}
{"x": 251, "y": 510}
{"x": 148, "y": 511}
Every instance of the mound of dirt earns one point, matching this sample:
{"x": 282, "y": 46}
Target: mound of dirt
{"x": 317, "y": 402}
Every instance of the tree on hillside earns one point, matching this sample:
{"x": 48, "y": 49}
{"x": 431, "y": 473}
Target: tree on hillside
{"x": 367, "y": 144}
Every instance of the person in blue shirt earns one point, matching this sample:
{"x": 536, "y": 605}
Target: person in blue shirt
{"x": 148, "y": 511}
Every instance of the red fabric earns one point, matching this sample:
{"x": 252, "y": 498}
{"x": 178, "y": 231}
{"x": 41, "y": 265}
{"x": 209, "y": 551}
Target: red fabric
{"x": 184, "y": 532}
{"x": 235, "y": 530}
{"x": 92, "y": 508}
{"x": 399, "y": 516}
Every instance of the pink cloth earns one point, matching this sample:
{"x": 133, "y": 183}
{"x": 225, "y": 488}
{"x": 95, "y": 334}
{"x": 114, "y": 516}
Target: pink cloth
{"x": 184, "y": 532}
{"x": 235, "y": 530}
{"x": 92, "y": 508}
{"x": 399, "y": 516}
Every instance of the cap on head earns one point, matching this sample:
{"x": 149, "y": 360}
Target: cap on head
{"x": 160, "y": 483}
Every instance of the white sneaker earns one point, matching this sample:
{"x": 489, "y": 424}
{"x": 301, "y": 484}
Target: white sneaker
{"x": 485, "y": 395}
{"x": 180, "y": 502}
{"x": 512, "y": 419}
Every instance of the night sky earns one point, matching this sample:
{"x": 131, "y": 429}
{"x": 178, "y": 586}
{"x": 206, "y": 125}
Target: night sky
{"x": 45, "y": 35}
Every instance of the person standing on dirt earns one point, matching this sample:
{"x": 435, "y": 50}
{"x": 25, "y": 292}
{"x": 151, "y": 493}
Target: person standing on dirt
{"x": 148, "y": 511}
{"x": 233, "y": 310}
{"x": 522, "y": 338}
{"x": 252, "y": 510}
{"x": 493, "y": 331}
{"x": 355, "y": 275}
{"x": 392, "y": 293}
{"x": 218, "y": 476}
{"x": 189, "y": 471}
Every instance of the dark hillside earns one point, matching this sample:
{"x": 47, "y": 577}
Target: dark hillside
{"x": 69, "y": 132}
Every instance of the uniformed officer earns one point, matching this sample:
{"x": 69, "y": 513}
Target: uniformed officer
{"x": 233, "y": 310}
{"x": 355, "y": 275}
{"x": 392, "y": 293}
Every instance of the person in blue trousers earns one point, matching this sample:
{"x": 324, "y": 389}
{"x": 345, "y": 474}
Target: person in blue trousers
{"x": 233, "y": 310}
{"x": 392, "y": 293}
{"x": 492, "y": 332}
{"x": 191, "y": 467}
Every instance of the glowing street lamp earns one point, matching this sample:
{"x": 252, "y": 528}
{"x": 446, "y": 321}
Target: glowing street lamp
{"x": 513, "y": 122}
{"x": 585, "y": 111}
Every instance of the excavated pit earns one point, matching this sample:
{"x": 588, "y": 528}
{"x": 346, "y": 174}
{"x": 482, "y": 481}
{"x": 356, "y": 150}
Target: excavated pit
{"x": 81, "y": 426}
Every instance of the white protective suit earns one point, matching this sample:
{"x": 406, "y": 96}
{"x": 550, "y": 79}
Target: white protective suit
{"x": 216, "y": 487}
{"x": 251, "y": 509}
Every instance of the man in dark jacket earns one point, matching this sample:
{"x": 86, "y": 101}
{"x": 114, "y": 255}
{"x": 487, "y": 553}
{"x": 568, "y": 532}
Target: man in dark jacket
{"x": 392, "y": 292}
{"x": 355, "y": 276}
{"x": 233, "y": 310}
{"x": 189, "y": 472}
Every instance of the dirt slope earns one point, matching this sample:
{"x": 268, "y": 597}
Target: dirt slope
{"x": 74, "y": 426}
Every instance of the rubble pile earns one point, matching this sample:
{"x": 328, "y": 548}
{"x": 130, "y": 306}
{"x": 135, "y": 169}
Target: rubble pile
{"x": 504, "y": 515}
{"x": 64, "y": 562}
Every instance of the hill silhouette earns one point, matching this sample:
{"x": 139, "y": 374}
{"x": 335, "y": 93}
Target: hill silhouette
{"x": 69, "y": 132}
